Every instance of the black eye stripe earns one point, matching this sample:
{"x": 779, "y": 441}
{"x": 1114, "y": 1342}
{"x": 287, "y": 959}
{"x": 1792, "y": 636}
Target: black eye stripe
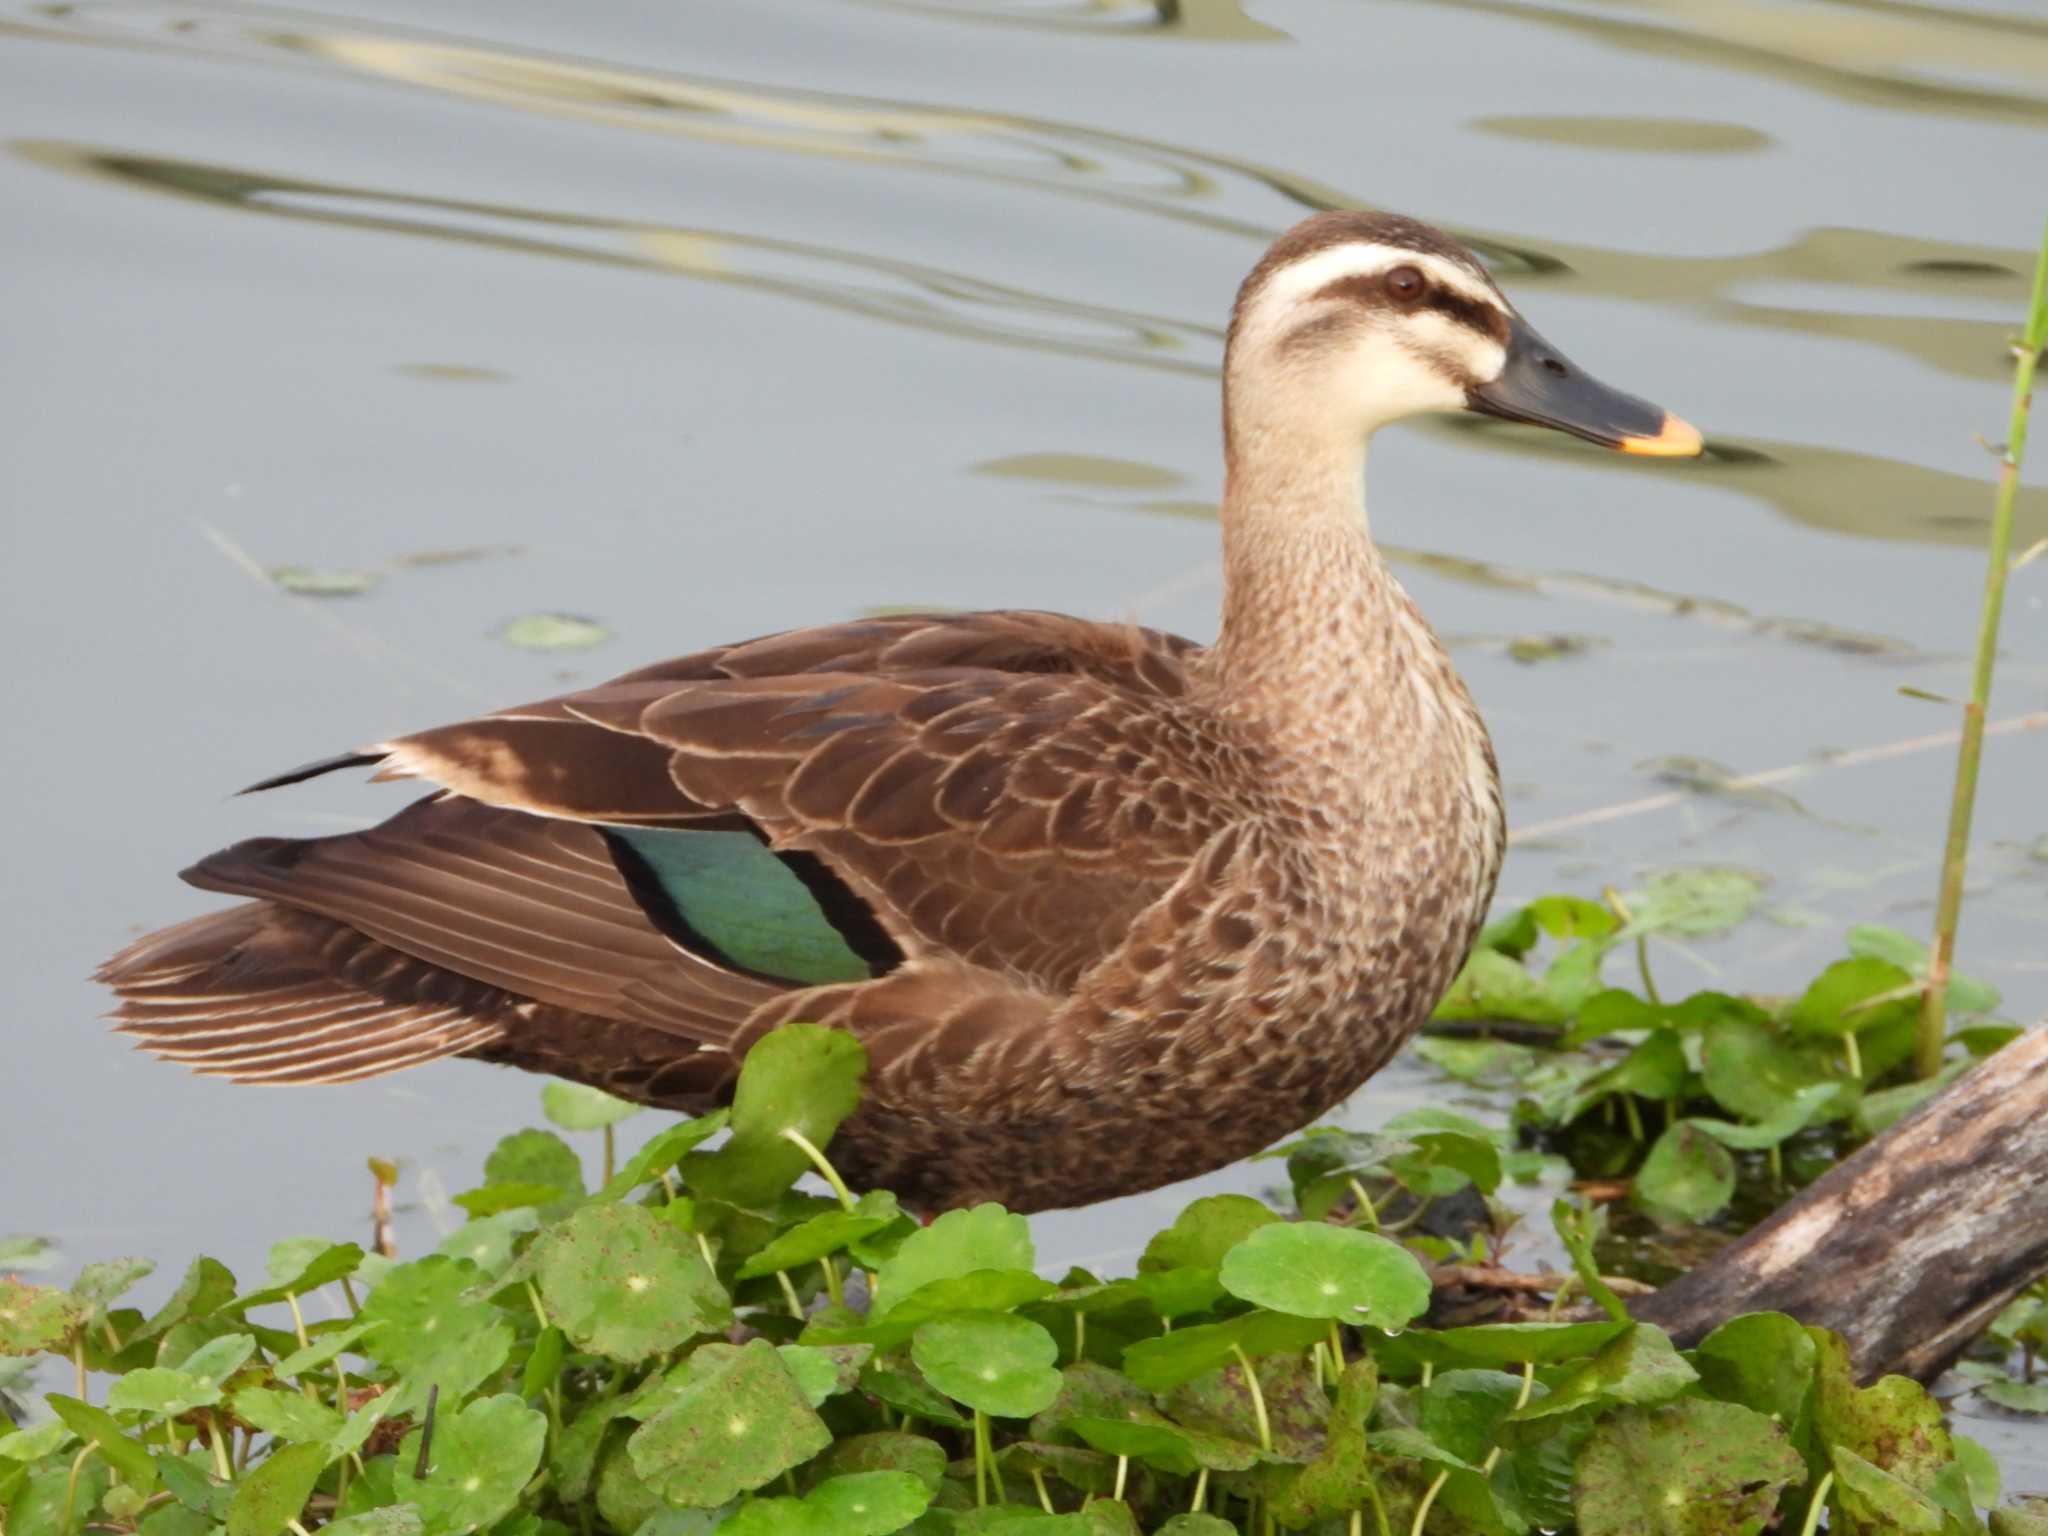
{"x": 1473, "y": 314}
{"x": 1483, "y": 318}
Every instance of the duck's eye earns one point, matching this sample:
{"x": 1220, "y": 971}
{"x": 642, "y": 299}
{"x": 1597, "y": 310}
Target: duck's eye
{"x": 1406, "y": 284}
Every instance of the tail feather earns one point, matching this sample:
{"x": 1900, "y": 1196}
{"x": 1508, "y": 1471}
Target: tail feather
{"x": 267, "y": 993}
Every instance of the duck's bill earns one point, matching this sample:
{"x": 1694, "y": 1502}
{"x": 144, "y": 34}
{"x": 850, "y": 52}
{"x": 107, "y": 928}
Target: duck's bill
{"x": 1539, "y": 386}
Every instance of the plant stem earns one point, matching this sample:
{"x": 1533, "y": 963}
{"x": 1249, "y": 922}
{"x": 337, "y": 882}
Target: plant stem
{"x": 1854, "y": 1054}
{"x": 832, "y": 1289}
{"x": 1251, "y": 1381}
{"x": 982, "y": 1457}
{"x": 1201, "y": 1490}
{"x": 1643, "y": 970}
{"x": 71, "y": 1484}
{"x": 1044, "y": 1498}
{"x": 1379, "y": 1510}
{"x": 1955, "y": 856}
{"x": 796, "y": 1307}
{"x": 1336, "y": 1350}
{"x": 1820, "y": 1500}
{"x": 1429, "y": 1498}
{"x": 1365, "y": 1208}
{"x": 78, "y": 1363}
{"x": 818, "y": 1161}
{"x": 1123, "y": 1470}
{"x": 611, "y": 1154}
{"x": 1634, "y": 1115}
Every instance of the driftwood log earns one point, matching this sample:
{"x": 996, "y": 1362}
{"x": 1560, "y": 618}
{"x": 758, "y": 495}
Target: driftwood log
{"x": 1909, "y": 1248}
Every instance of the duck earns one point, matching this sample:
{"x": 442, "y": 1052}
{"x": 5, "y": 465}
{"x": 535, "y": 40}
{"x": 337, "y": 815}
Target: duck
{"x": 1107, "y": 908}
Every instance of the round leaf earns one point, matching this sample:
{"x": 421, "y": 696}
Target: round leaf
{"x": 1309, "y": 1269}
{"x": 993, "y": 1361}
{"x": 957, "y": 1244}
{"x": 480, "y": 1459}
{"x": 736, "y": 1420}
{"x": 1204, "y": 1232}
{"x": 580, "y": 1107}
{"x": 623, "y": 1283}
{"x": 1688, "y": 1177}
{"x": 1685, "y": 1469}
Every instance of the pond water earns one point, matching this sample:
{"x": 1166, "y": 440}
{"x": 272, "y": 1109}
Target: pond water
{"x": 704, "y": 320}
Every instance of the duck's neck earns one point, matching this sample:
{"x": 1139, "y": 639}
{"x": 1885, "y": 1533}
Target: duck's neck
{"x": 1316, "y": 632}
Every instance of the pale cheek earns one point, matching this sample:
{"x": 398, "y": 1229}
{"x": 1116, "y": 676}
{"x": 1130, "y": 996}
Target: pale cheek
{"x": 1385, "y": 381}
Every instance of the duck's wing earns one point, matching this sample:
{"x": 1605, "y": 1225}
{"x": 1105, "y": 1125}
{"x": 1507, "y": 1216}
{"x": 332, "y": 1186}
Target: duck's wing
{"x": 1006, "y": 789}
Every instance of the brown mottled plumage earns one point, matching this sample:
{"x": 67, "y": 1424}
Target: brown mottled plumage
{"x": 1134, "y": 907}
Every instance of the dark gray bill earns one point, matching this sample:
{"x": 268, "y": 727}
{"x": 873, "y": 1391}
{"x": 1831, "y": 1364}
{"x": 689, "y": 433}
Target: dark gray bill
{"x": 1540, "y": 387}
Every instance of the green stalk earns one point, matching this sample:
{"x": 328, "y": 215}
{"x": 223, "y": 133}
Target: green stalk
{"x": 1948, "y": 913}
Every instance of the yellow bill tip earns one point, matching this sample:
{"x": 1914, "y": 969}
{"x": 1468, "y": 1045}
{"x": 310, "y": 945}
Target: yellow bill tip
{"x": 1677, "y": 439}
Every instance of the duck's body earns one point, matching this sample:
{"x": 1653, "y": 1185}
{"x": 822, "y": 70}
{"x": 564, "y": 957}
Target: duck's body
{"x": 1107, "y": 909}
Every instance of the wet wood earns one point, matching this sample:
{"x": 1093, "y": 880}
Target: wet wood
{"x": 1911, "y": 1247}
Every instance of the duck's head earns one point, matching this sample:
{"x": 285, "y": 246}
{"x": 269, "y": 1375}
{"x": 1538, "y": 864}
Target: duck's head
{"x": 1353, "y": 320}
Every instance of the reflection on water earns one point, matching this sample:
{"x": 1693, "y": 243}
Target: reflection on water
{"x": 1069, "y": 160}
{"x": 1633, "y": 135}
{"x": 1208, "y": 20}
{"x": 1865, "y": 495}
{"x": 1916, "y": 58}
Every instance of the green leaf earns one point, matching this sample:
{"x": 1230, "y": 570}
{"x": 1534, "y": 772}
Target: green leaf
{"x": 1161, "y": 1364}
{"x": 1161, "y": 1445}
{"x": 99, "y": 1284}
{"x": 1694, "y": 902}
{"x": 1689, "y": 1468}
{"x": 1752, "y": 1071}
{"x": 1764, "y": 1361}
{"x": 2019, "y": 1396}
{"x": 866, "y": 1503}
{"x": 737, "y": 1419}
{"x": 1203, "y": 1232}
{"x": 811, "y": 1240}
{"x": 206, "y": 1288}
{"x": 1444, "y": 1162}
{"x": 1493, "y": 986}
{"x": 328, "y": 1341}
{"x": 986, "y": 1290}
{"x": 1893, "y": 1423}
{"x": 391, "y": 1520}
{"x": 1840, "y": 1000}
{"x": 1341, "y": 1476}
{"x": 1579, "y": 1228}
{"x": 287, "y": 1415}
{"x": 160, "y": 1391}
{"x": 800, "y": 1077}
{"x": 956, "y": 1244}
{"x": 991, "y": 1361}
{"x": 22, "y": 1254}
{"x": 33, "y": 1444}
{"x": 1981, "y": 1477}
{"x": 427, "y": 1329}
{"x": 488, "y": 1241}
{"x": 544, "y": 1363}
{"x": 537, "y": 1158}
{"x": 1639, "y": 1368}
{"x": 1965, "y": 994}
{"x": 885, "y": 1451}
{"x": 332, "y": 1262}
{"x": 1870, "y": 1494}
{"x": 276, "y": 1492}
{"x": 1573, "y": 917}
{"x": 1482, "y": 1344}
{"x": 1815, "y": 1102}
{"x": 663, "y": 1151}
{"x": 218, "y": 1358}
{"x": 1309, "y": 1269}
{"x": 308, "y": 582}
{"x": 623, "y": 1283}
{"x": 479, "y": 1460}
{"x": 1655, "y": 1069}
{"x": 824, "y": 1371}
{"x": 895, "y": 1382}
{"x": 35, "y": 1318}
{"x": 579, "y": 1107}
{"x": 1688, "y": 1177}
{"x": 553, "y": 632}
{"x": 136, "y": 1466}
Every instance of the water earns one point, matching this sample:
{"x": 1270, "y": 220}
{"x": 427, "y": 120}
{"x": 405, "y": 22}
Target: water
{"x": 706, "y": 320}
